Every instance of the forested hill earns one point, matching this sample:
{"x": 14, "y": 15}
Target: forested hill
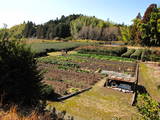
{"x": 51, "y": 29}
{"x": 77, "y": 26}
{"x": 145, "y": 29}
{"x": 68, "y": 27}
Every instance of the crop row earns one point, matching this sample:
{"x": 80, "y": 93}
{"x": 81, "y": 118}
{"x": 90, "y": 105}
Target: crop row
{"x": 60, "y": 63}
{"x": 89, "y": 63}
{"x": 110, "y": 51}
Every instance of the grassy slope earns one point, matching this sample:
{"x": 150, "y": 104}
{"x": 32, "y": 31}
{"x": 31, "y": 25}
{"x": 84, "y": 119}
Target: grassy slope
{"x": 99, "y": 104}
{"x": 149, "y": 80}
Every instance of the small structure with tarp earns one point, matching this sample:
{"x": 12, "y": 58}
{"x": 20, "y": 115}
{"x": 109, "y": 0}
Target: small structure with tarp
{"x": 120, "y": 81}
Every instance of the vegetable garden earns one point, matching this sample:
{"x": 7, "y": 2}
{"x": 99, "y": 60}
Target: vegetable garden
{"x": 73, "y": 72}
{"x": 78, "y": 71}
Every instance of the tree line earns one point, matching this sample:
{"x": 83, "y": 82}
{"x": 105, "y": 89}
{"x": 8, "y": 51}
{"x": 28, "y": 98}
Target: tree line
{"x": 72, "y": 26}
{"x": 51, "y": 29}
{"x": 76, "y": 26}
{"x": 144, "y": 31}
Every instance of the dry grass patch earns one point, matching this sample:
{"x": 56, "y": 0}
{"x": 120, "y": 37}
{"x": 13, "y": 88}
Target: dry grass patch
{"x": 12, "y": 114}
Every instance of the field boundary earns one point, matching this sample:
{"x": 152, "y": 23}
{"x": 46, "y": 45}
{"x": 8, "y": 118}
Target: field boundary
{"x": 133, "y": 101}
{"x": 73, "y": 94}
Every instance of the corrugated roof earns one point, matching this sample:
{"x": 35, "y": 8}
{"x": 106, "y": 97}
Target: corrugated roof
{"x": 118, "y": 76}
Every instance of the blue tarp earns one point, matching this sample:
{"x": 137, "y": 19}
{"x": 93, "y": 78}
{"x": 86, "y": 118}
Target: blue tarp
{"x": 125, "y": 86}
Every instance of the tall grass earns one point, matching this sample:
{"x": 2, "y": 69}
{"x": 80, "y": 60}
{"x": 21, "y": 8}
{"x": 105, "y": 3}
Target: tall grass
{"x": 16, "y": 114}
{"x": 12, "y": 114}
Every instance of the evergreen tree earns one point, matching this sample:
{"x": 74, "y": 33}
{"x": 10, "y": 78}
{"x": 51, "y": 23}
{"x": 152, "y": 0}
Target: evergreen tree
{"x": 20, "y": 81}
{"x": 149, "y": 26}
{"x": 29, "y": 30}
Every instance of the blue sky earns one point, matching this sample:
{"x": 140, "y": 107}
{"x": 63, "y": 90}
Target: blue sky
{"x": 13, "y": 12}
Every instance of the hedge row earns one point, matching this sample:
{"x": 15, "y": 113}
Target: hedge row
{"x": 128, "y": 53}
{"x": 154, "y": 55}
{"x": 144, "y": 55}
{"x": 137, "y": 54}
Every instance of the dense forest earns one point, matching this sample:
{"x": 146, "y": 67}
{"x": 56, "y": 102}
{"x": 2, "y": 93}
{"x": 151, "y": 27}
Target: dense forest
{"x": 51, "y": 29}
{"x": 144, "y": 31}
{"x": 73, "y": 26}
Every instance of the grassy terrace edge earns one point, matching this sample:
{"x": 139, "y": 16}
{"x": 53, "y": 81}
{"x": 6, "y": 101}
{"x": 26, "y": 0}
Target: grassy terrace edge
{"x": 105, "y": 57}
{"x": 147, "y": 79}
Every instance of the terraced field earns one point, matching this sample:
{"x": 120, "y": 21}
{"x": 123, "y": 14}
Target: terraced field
{"x": 79, "y": 72}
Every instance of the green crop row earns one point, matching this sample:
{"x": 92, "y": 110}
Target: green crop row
{"x": 110, "y": 51}
{"x": 61, "y": 64}
{"x": 105, "y": 57}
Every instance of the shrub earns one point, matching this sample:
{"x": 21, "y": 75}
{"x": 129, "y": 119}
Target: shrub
{"x": 148, "y": 107}
{"x": 145, "y": 55}
{"x": 137, "y": 54}
{"x": 128, "y": 53}
{"x": 119, "y": 51}
{"x": 20, "y": 81}
{"x": 158, "y": 87}
{"x": 155, "y": 55}
{"x": 47, "y": 91}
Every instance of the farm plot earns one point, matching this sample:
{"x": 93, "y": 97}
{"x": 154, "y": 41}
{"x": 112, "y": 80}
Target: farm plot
{"x": 75, "y": 72}
{"x": 64, "y": 81}
{"x": 43, "y": 48}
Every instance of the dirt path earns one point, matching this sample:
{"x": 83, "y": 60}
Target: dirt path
{"x": 100, "y": 83}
